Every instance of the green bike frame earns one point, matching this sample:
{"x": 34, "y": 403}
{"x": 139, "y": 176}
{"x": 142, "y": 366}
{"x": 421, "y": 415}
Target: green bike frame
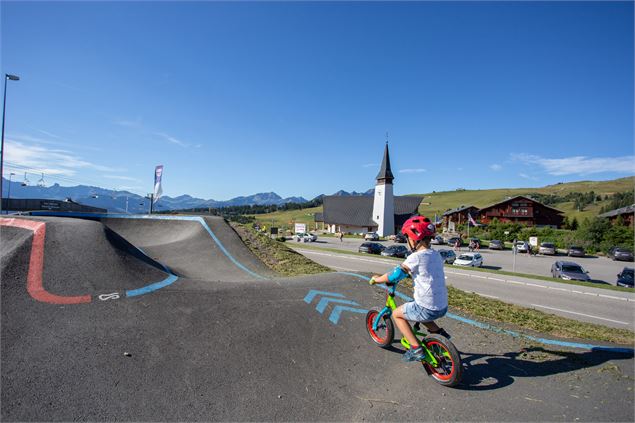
{"x": 387, "y": 311}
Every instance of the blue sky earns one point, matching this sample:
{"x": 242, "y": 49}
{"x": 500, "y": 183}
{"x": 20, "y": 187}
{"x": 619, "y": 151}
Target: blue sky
{"x": 296, "y": 98}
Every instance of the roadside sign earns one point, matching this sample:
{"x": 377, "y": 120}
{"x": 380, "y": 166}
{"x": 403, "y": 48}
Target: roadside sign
{"x": 274, "y": 231}
{"x": 300, "y": 228}
{"x": 533, "y": 241}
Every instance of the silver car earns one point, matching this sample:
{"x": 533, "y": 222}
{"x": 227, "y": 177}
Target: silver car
{"x": 568, "y": 271}
{"x": 547, "y": 248}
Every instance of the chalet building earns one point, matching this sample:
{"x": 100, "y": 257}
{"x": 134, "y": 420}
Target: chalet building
{"x": 454, "y": 217}
{"x": 523, "y": 210}
{"x": 627, "y": 213}
{"x": 382, "y": 213}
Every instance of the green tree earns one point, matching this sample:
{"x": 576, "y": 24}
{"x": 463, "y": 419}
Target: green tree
{"x": 574, "y": 224}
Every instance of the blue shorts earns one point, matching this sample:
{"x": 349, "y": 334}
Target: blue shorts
{"x": 415, "y": 313}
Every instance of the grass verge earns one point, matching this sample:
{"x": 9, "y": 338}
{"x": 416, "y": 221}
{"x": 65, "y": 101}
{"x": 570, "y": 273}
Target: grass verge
{"x": 496, "y": 272}
{"x": 277, "y": 256}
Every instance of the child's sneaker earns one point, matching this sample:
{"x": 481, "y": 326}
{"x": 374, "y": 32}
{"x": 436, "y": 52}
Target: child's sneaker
{"x": 413, "y": 355}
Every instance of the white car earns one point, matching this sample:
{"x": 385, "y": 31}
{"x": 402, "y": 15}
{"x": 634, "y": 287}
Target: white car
{"x": 522, "y": 246}
{"x": 305, "y": 237}
{"x": 469, "y": 259}
{"x": 371, "y": 236}
{"x": 437, "y": 240}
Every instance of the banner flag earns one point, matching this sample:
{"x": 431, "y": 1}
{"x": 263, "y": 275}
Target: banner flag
{"x": 158, "y": 191}
{"x": 471, "y": 219}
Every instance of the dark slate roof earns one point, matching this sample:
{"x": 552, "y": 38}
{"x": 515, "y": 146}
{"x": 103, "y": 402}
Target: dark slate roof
{"x": 524, "y": 198}
{"x": 458, "y": 209}
{"x": 385, "y": 173}
{"x": 617, "y": 212}
{"x": 358, "y": 211}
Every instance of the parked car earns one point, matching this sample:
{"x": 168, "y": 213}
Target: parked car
{"x": 496, "y": 244}
{"x": 574, "y": 251}
{"x": 395, "y": 251}
{"x": 371, "y": 236}
{"x": 569, "y": 270}
{"x": 469, "y": 259}
{"x": 305, "y": 237}
{"x": 400, "y": 238}
{"x": 522, "y": 246}
{"x": 371, "y": 248}
{"x": 452, "y": 241}
{"x": 448, "y": 256}
{"x": 625, "y": 277}
{"x": 437, "y": 240}
{"x": 617, "y": 253}
{"x": 547, "y": 248}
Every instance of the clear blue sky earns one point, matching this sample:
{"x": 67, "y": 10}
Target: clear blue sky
{"x": 296, "y": 98}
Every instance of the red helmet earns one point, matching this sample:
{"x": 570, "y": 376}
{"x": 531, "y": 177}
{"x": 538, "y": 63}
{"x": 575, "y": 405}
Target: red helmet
{"x": 418, "y": 227}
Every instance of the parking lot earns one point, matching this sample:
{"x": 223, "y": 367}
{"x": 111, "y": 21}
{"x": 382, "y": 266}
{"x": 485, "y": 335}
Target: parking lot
{"x": 600, "y": 269}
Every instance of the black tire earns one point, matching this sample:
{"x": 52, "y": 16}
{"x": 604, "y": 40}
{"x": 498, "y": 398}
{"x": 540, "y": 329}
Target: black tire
{"x": 450, "y": 369}
{"x": 385, "y": 333}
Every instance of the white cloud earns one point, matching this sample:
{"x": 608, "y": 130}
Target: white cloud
{"x": 173, "y": 140}
{"x": 496, "y": 167}
{"x": 412, "y": 170}
{"x": 579, "y": 165}
{"x": 48, "y": 160}
{"x": 121, "y": 178}
{"x": 524, "y": 175}
{"x": 371, "y": 165}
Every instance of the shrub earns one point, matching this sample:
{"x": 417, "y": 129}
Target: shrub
{"x": 281, "y": 239}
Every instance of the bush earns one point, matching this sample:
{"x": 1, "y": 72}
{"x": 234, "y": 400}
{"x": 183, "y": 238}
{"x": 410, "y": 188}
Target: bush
{"x": 281, "y": 239}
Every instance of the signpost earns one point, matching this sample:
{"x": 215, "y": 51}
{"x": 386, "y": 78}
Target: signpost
{"x": 300, "y": 228}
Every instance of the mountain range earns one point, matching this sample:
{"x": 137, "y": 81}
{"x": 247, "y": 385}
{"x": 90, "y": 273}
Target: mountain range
{"x": 125, "y": 201}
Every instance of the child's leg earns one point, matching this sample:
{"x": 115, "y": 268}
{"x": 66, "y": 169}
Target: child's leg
{"x": 404, "y": 327}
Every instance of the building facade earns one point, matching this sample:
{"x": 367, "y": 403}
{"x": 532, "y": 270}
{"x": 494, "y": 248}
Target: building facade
{"x": 523, "y": 210}
{"x": 627, "y": 213}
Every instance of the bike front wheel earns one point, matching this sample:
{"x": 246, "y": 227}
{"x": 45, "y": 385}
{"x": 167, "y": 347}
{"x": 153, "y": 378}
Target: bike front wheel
{"x": 385, "y": 333}
{"x": 449, "y": 370}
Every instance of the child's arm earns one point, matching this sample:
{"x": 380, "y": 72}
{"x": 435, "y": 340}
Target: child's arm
{"x": 397, "y": 274}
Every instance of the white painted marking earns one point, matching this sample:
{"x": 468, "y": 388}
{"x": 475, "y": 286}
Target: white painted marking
{"x": 106, "y": 297}
{"x": 536, "y": 285}
{"x": 479, "y": 276}
{"x": 580, "y": 314}
{"x": 343, "y": 268}
{"x": 612, "y": 297}
{"x": 516, "y": 282}
{"x": 559, "y": 289}
{"x": 591, "y": 293}
{"x": 496, "y": 279}
{"x": 488, "y": 296}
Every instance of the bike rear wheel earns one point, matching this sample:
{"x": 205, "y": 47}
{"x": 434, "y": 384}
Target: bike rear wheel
{"x": 450, "y": 369}
{"x": 385, "y": 333}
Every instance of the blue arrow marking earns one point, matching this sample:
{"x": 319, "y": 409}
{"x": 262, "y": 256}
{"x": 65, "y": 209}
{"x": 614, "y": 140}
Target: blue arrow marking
{"x": 312, "y": 293}
{"x": 326, "y": 300}
{"x": 335, "y": 314}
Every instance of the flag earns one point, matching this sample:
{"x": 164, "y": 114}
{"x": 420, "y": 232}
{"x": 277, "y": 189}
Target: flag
{"x": 471, "y": 219}
{"x": 158, "y": 191}
{"x": 436, "y": 220}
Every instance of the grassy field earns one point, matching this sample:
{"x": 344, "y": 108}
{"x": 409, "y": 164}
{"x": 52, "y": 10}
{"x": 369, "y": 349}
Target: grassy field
{"x": 439, "y": 202}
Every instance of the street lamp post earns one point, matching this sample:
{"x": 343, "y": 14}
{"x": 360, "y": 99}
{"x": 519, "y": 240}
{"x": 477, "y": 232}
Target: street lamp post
{"x": 9, "y": 193}
{"x": 4, "y": 109}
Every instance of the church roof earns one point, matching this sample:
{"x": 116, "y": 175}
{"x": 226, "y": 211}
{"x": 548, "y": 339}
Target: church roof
{"x": 358, "y": 210}
{"x": 385, "y": 173}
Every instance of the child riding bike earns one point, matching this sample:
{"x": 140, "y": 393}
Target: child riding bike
{"x": 430, "y": 293}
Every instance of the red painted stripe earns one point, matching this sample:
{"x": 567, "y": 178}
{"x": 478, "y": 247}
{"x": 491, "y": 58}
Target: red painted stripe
{"x": 36, "y": 264}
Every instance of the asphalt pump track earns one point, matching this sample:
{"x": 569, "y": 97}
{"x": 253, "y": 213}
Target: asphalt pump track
{"x": 174, "y": 319}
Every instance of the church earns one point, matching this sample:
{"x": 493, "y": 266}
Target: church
{"x": 382, "y": 213}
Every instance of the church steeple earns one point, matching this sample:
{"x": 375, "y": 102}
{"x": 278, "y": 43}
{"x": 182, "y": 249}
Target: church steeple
{"x": 385, "y": 175}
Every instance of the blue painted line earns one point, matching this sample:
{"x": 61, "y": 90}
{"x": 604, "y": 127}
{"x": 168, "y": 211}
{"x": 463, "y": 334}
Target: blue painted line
{"x": 326, "y": 300}
{"x": 312, "y": 293}
{"x": 152, "y": 287}
{"x": 487, "y": 326}
{"x": 335, "y": 314}
{"x": 157, "y": 217}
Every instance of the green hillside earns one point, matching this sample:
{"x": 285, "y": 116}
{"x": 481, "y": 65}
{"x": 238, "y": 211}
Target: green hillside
{"x": 439, "y": 202}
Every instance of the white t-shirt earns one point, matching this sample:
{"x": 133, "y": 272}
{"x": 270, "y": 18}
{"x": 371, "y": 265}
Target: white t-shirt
{"x": 426, "y": 268}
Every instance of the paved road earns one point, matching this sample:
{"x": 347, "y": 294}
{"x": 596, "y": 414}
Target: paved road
{"x": 593, "y": 305}
{"x": 600, "y": 268}
{"x": 235, "y": 345}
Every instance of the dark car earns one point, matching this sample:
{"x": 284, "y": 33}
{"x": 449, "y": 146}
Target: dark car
{"x": 448, "y": 256}
{"x": 452, "y": 241}
{"x": 395, "y": 251}
{"x": 437, "y": 240}
{"x": 569, "y": 271}
{"x": 400, "y": 238}
{"x": 495, "y": 244}
{"x": 574, "y": 251}
{"x": 625, "y": 277}
{"x": 371, "y": 248}
{"x": 617, "y": 253}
